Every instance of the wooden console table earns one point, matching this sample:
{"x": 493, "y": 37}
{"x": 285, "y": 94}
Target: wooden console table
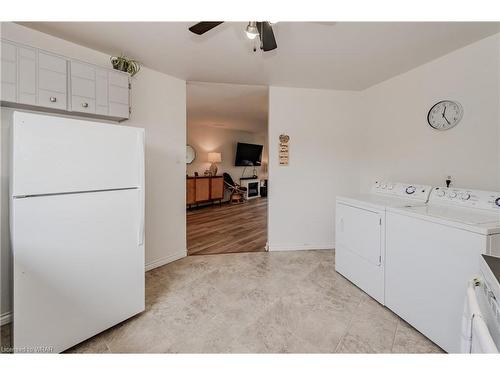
{"x": 204, "y": 189}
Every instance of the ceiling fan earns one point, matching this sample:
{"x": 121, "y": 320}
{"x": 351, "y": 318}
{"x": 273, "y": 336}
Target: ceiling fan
{"x": 262, "y": 29}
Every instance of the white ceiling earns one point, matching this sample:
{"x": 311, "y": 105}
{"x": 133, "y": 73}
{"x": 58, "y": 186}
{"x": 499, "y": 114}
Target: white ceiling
{"x": 344, "y": 55}
{"x": 228, "y": 106}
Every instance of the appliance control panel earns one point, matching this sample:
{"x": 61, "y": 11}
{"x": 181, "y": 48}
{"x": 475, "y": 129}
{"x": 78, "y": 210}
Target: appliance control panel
{"x": 402, "y": 190}
{"x": 487, "y": 200}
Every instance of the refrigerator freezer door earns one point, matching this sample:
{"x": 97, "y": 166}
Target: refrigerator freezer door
{"x": 75, "y": 275}
{"x": 56, "y": 155}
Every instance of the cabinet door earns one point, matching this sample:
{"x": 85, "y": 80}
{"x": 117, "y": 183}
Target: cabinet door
{"x": 83, "y": 87}
{"x": 118, "y": 94}
{"x": 101, "y": 92}
{"x": 217, "y": 188}
{"x": 52, "y": 81}
{"x": 190, "y": 191}
{"x": 202, "y": 189}
{"x": 27, "y": 75}
{"x": 9, "y": 72}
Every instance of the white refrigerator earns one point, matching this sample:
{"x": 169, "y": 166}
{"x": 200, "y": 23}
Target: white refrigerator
{"x": 77, "y": 229}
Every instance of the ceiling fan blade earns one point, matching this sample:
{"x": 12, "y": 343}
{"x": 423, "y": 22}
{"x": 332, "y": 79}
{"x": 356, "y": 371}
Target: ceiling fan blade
{"x": 266, "y": 36}
{"x": 202, "y": 27}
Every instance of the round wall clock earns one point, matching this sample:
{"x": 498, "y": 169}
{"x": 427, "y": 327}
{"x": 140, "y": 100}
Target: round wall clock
{"x": 445, "y": 115}
{"x": 190, "y": 154}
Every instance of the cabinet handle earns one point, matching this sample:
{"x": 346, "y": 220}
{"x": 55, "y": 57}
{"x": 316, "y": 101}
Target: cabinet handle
{"x": 85, "y": 105}
{"x": 53, "y": 99}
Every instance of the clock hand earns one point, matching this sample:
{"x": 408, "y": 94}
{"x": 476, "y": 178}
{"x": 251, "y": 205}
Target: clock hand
{"x": 444, "y": 115}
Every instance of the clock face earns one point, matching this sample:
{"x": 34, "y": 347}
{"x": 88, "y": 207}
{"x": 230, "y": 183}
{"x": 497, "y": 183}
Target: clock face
{"x": 445, "y": 114}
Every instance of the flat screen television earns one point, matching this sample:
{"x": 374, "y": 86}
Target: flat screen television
{"x": 248, "y": 155}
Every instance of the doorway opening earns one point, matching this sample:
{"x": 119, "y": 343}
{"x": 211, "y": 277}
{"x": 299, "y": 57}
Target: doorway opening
{"x": 226, "y": 168}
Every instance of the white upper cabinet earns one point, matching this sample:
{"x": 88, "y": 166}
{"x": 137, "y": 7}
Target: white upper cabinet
{"x": 27, "y": 67}
{"x": 101, "y": 92}
{"x": 118, "y": 93}
{"x": 83, "y": 87}
{"x": 9, "y": 72}
{"x": 38, "y": 78}
{"x": 52, "y": 81}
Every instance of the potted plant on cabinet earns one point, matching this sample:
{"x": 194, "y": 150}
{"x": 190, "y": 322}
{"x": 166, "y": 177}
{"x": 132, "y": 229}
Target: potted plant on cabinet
{"x": 125, "y": 64}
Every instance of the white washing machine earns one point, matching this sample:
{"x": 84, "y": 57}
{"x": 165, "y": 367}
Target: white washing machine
{"x": 431, "y": 254}
{"x": 360, "y": 232}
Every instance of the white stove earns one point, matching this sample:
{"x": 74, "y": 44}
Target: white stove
{"x": 489, "y": 298}
{"x": 481, "y": 316}
{"x": 360, "y": 232}
{"x": 432, "y": 252}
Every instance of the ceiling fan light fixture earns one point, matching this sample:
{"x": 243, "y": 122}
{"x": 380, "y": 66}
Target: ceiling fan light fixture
{"x": 252, "y": 30}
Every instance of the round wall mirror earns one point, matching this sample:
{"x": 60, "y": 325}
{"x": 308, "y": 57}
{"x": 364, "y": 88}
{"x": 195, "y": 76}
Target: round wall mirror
{"x": 190, "y": 154}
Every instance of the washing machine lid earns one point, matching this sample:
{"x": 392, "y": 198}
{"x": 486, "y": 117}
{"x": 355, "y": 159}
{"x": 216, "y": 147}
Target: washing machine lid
{"x": 471, "y": 219}
{"x": 469, "y": 209}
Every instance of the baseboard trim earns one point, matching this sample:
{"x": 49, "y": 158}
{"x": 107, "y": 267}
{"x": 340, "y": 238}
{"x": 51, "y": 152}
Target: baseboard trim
{"x": 162, "y": 261}
{"x": 301, "y": 247}
{"x": 5, "y": 318}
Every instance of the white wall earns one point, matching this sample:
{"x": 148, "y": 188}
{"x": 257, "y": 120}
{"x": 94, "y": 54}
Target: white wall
{"x": 343, "y": 141}
{"x": 159, "y": 106}
{"x": 323, "y": 163}
{"x": 205, "y": 139}
{"x": 399, "y": 145}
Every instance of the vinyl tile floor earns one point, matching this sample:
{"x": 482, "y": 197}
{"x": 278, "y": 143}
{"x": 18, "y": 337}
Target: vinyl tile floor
{"x": 278, "y": 302}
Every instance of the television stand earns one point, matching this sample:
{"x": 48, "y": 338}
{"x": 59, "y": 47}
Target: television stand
{"x": 252, "y": 185}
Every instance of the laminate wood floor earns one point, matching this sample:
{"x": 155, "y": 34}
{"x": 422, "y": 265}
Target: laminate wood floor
{"x": 230, "y": 228}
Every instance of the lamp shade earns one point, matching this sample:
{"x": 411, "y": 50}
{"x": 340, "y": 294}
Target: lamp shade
{"x": 214, "y": 157}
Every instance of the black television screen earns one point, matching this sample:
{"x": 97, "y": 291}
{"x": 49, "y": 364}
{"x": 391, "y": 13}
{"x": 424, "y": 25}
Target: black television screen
{"x": 248, "y": 155}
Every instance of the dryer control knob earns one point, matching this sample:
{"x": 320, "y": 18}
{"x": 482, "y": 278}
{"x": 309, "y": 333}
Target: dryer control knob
{"x": 383, "y": 186}
{"x": 452, "y": 194}
{"x": 410, "y": 189}
{"x": 497, "y": 202}
{"x": 465, "y": 196}
{"x": 441, "y": 193}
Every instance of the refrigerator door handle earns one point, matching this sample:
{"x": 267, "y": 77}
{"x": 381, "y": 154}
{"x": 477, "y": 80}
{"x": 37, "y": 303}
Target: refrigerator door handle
{"x": 141, "y": 189}
{"x": 140, "y": 232}
{"x": 140, "y": 241}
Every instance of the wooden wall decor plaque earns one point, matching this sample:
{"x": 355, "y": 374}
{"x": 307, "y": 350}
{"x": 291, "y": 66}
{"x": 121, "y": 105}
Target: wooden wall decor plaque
{"x": 283, "y": 149}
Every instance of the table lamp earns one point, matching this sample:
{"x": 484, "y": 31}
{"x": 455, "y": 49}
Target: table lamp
{"x": 214, "y": 157}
